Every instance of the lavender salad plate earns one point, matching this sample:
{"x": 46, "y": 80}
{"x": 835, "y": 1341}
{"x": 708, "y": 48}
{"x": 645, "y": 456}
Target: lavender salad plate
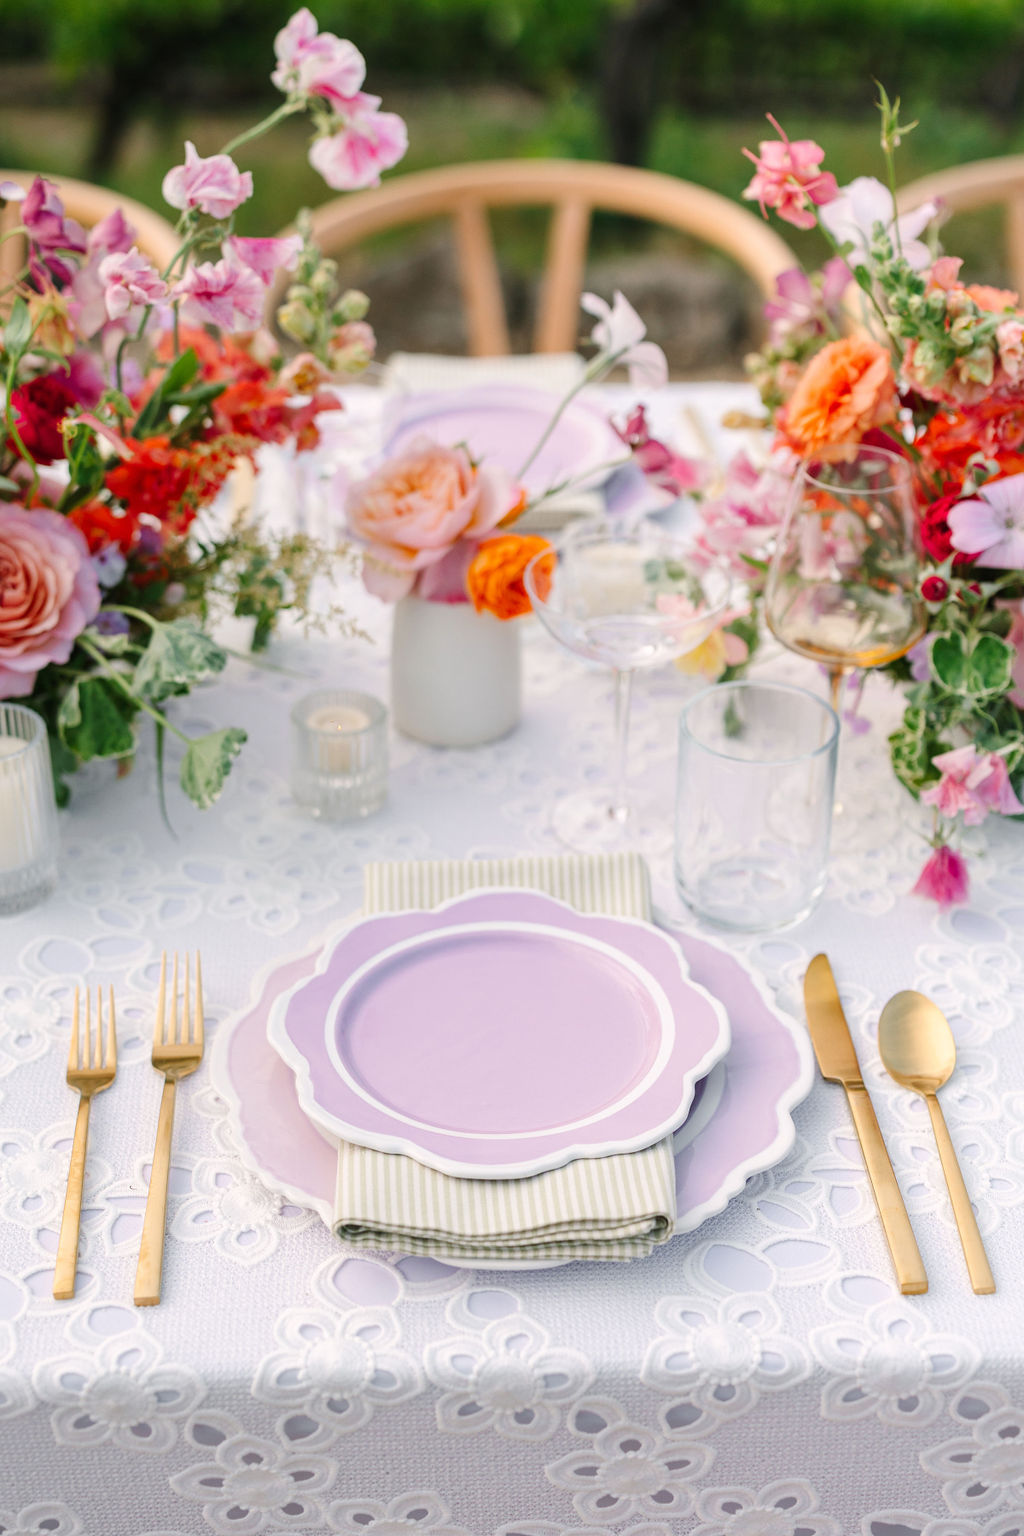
{"x": 740, "y": 1124}
{"x": 499, "y": 1035}
{"x": 502, "y": 423}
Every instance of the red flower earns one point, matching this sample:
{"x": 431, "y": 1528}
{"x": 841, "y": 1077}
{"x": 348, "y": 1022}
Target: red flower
{"x": 167, "y": 484}
{"x": 934, "y": 589}
{"x": 104, "y": 524}
{"x": 39, "y": 408}
{"x": 251, "y": 408}
{"x": 935, "y": 534}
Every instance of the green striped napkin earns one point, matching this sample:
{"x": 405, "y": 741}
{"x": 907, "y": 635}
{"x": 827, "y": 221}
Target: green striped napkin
{"x": 615, "y": 1207}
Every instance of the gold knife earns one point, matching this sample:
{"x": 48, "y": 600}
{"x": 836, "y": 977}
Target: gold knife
{"x": 837, "y": 1061}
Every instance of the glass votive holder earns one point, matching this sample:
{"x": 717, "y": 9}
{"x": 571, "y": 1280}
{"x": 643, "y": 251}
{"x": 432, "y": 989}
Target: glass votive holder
{"x": 756, "y": 776}
{"x": 28, "y": 811}
{"x": 339, "y": 754}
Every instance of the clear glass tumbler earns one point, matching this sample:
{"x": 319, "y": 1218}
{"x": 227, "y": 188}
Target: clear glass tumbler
{"x": 339, "y": 754}
{"x": 757, "y": 764}
{"x": 28, "y": 811}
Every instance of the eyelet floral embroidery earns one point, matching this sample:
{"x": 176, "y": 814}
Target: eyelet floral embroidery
{"x": 882, "y": 1522}
{"x": 252, "y": 1484}
{"x": 234, "y": 1210}
{"x": 336, "y": 1369}
{"x": 34, "y": 1174}
{"x": 30, "y": 1021}
{"x": 506, "y": 1378}
{"x": 984, "y": 1470}
{"x": 889, "y": 1363}
{"x": 786, "y": 1508}
{"x": 545, "y": 1528}
{"x": 994, "y": 1184}
{"x": 40, "y": 1520}
{"x": 407, "y": 1515}
{"x": 120, "y": 1392}
{"x": 722, "y": 1357}
{"x": 630, "y": 1472}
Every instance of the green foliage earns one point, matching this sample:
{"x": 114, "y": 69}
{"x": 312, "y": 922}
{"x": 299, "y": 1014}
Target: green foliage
{"x": 912, "y": 748}
{"x": 178, "y": 656}
{"x": 207, "y": 763}
{"x": 95, "y": 719}
{"x": 975, "y": 671}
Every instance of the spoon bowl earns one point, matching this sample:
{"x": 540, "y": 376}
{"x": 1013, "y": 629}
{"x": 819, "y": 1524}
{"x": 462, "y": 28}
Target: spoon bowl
{"x": 916, "y": 1042}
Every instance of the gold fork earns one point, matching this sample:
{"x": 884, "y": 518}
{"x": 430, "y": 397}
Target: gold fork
{"x": 91, "y": 1068}
{"x": 177, "y": 1051}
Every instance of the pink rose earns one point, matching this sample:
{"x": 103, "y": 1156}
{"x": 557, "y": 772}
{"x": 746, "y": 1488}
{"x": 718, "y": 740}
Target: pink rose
{"x": 369, "y": 142}
{"x": 214, "y": 185}
{"x": 1010, "y": 339}
{"x": 130, "y": 284}
{"x": 410, "y": 512}
{"x": 312, "y": 63}
{"x": 48, "y": 594}
{"x": 266, "y": 255}
{"x": 221, "y": 293}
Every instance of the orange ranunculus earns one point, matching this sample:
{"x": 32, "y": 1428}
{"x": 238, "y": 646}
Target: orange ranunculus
{"x": 847, "y": 388}
{"x": 495, "y": 576}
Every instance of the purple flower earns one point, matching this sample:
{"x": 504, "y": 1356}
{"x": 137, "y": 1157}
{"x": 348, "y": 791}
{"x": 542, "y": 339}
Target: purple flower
{"x": 50, "y": 233}
{"x": 803, "y": 305}
{"x": 990, "y": 525}
{"x": 110, "y": 623}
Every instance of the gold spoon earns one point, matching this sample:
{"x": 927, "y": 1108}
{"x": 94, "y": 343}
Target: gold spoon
{"x": 918, "y": 1050}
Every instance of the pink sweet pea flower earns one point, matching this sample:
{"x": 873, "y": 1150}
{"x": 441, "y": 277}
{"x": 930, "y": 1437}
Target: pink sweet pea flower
{"x": 956, "y": 792}
{"x": 221, "y": 293}
{"x": 995, "y": 789}
{"x": 49, "y": 232}
{"x": 990, "y": 525}
{"x": 214, "y": 185}
{"x": 665, "y": 469}
{"x": 619, "y": 336}
{"x": 88, "y": 306}
{"x": 312, "y": 63}
{"x": 130, "y": 284}
{"x": 944, "y": 878}
{"x": 367, "y": 143}
{"x": 855, "y": 210}
{"x": 266, "y": 255}
{"x": 789, "y": 178}
{"x": 11, "y": 192}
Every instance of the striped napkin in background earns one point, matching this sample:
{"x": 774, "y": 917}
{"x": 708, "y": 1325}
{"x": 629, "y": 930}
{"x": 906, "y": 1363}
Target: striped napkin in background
{"x": 616, "y": 1207}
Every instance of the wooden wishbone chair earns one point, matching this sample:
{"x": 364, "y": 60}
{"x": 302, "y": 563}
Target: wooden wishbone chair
{"x": 89, "y": 205}
{"x": 979, "y": 184}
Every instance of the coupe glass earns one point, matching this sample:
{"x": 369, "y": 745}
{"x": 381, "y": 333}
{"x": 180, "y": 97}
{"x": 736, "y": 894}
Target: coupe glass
{"x": 843, "y": 583}
{"x": 631, "y": 599}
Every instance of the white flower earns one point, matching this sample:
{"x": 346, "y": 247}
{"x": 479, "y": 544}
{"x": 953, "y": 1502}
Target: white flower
{"x": 722, "y": 1357}
{"x": 407, "y": 1515}
{"x": 252, "y": 1484}
{"x": 337, "y": 1369}
{"x": 984, "y": 1470}
{"x": 889, "y": 1363}
{"x": 853, "y": 215}
{"x": 507, "y": 1378}
{"x": 631, "y": 1472}
{"x": 119, "y": 1394}
{"x": 619, "y": 336}
{"x": 780, "y": 1509}
{"x": 40, "y": 1520}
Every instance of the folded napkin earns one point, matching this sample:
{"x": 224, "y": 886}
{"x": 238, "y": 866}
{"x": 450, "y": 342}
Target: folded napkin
{"x": 616, "y": 1207}
{"x": 556, "y": 371}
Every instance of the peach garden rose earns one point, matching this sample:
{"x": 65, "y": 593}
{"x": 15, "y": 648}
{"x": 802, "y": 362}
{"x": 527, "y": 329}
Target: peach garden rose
{"x": 48, "y": 594}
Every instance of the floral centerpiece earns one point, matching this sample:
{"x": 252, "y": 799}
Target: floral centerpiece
{"x": 932, "y": 367}
{"x": 130, "y": 394}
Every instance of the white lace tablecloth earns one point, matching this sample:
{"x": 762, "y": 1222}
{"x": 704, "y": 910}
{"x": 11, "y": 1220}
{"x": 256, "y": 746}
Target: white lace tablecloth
{"x": 760, "y": 1377}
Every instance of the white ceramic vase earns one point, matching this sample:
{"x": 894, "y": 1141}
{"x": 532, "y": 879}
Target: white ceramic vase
{"x": 456, "y": 677}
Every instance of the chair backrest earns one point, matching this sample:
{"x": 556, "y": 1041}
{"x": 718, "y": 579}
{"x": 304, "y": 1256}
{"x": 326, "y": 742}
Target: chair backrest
{"x": 979, "y": 184}
{"x": 89, "y": 205}
{"x": 574, "y": 188}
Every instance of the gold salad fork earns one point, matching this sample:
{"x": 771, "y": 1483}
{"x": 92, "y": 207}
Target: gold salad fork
{"x": 91, "y": 1068}
{"x": 177, "y": 1051}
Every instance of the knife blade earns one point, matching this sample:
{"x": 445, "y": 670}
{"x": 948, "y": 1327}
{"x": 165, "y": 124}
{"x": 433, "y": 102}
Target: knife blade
{"x": 837, "y": 1062}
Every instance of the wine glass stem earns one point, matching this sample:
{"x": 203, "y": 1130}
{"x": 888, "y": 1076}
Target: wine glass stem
{"x": 836, "y": 676}
{"x": 619, "y": 808}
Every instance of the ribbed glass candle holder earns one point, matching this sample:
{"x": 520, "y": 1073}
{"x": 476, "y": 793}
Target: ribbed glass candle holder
{"x": 28, "y": 811}
{"x": 340, "y": 754}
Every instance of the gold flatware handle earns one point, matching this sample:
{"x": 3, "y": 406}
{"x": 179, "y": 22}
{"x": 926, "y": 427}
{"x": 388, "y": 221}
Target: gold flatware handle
{"x": 978, "y": 1268}
{"x": 899, "y": 1234}
{"x": 66, "y": 1267}
{"x": 149, "y": 1272}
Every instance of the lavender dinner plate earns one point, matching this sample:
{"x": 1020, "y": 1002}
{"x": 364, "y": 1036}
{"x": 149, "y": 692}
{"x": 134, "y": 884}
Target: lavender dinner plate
{"x": 501, "y": 423}
{"x": 765, "y": 1074}
{"x": 499, "y": 1035}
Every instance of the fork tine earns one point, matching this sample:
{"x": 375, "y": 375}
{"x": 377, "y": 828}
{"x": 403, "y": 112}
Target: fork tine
{"x": 97, "y": 1050}
{"x": 199, "y": 1002}
{"x": 185, "y": 1022}
{"x": 87, "y": 1050}
{"x": 111, "y": 1035}
{"x": 73, "y": 1047}
{"x": 172, "y": 1023}
{"x": 158, "y": 1023}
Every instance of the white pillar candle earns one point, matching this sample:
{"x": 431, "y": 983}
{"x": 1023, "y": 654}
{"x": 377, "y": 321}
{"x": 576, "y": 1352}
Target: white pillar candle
{"x": 335, "y": 726}
{"x": 23, "y": 822}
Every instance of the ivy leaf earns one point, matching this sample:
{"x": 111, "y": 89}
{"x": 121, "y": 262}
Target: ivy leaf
{"x": 95, "y": 719}
{"x": 990, "y": 668}
{"x": 207, "y": 763}
{"x": 178, "y": 656}
{"x": 949, "y": 664}
{"x": 18, "y": 330}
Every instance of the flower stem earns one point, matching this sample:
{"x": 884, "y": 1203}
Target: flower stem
{"x": 287, "y": 109}
{"x": 115, "y": 677}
